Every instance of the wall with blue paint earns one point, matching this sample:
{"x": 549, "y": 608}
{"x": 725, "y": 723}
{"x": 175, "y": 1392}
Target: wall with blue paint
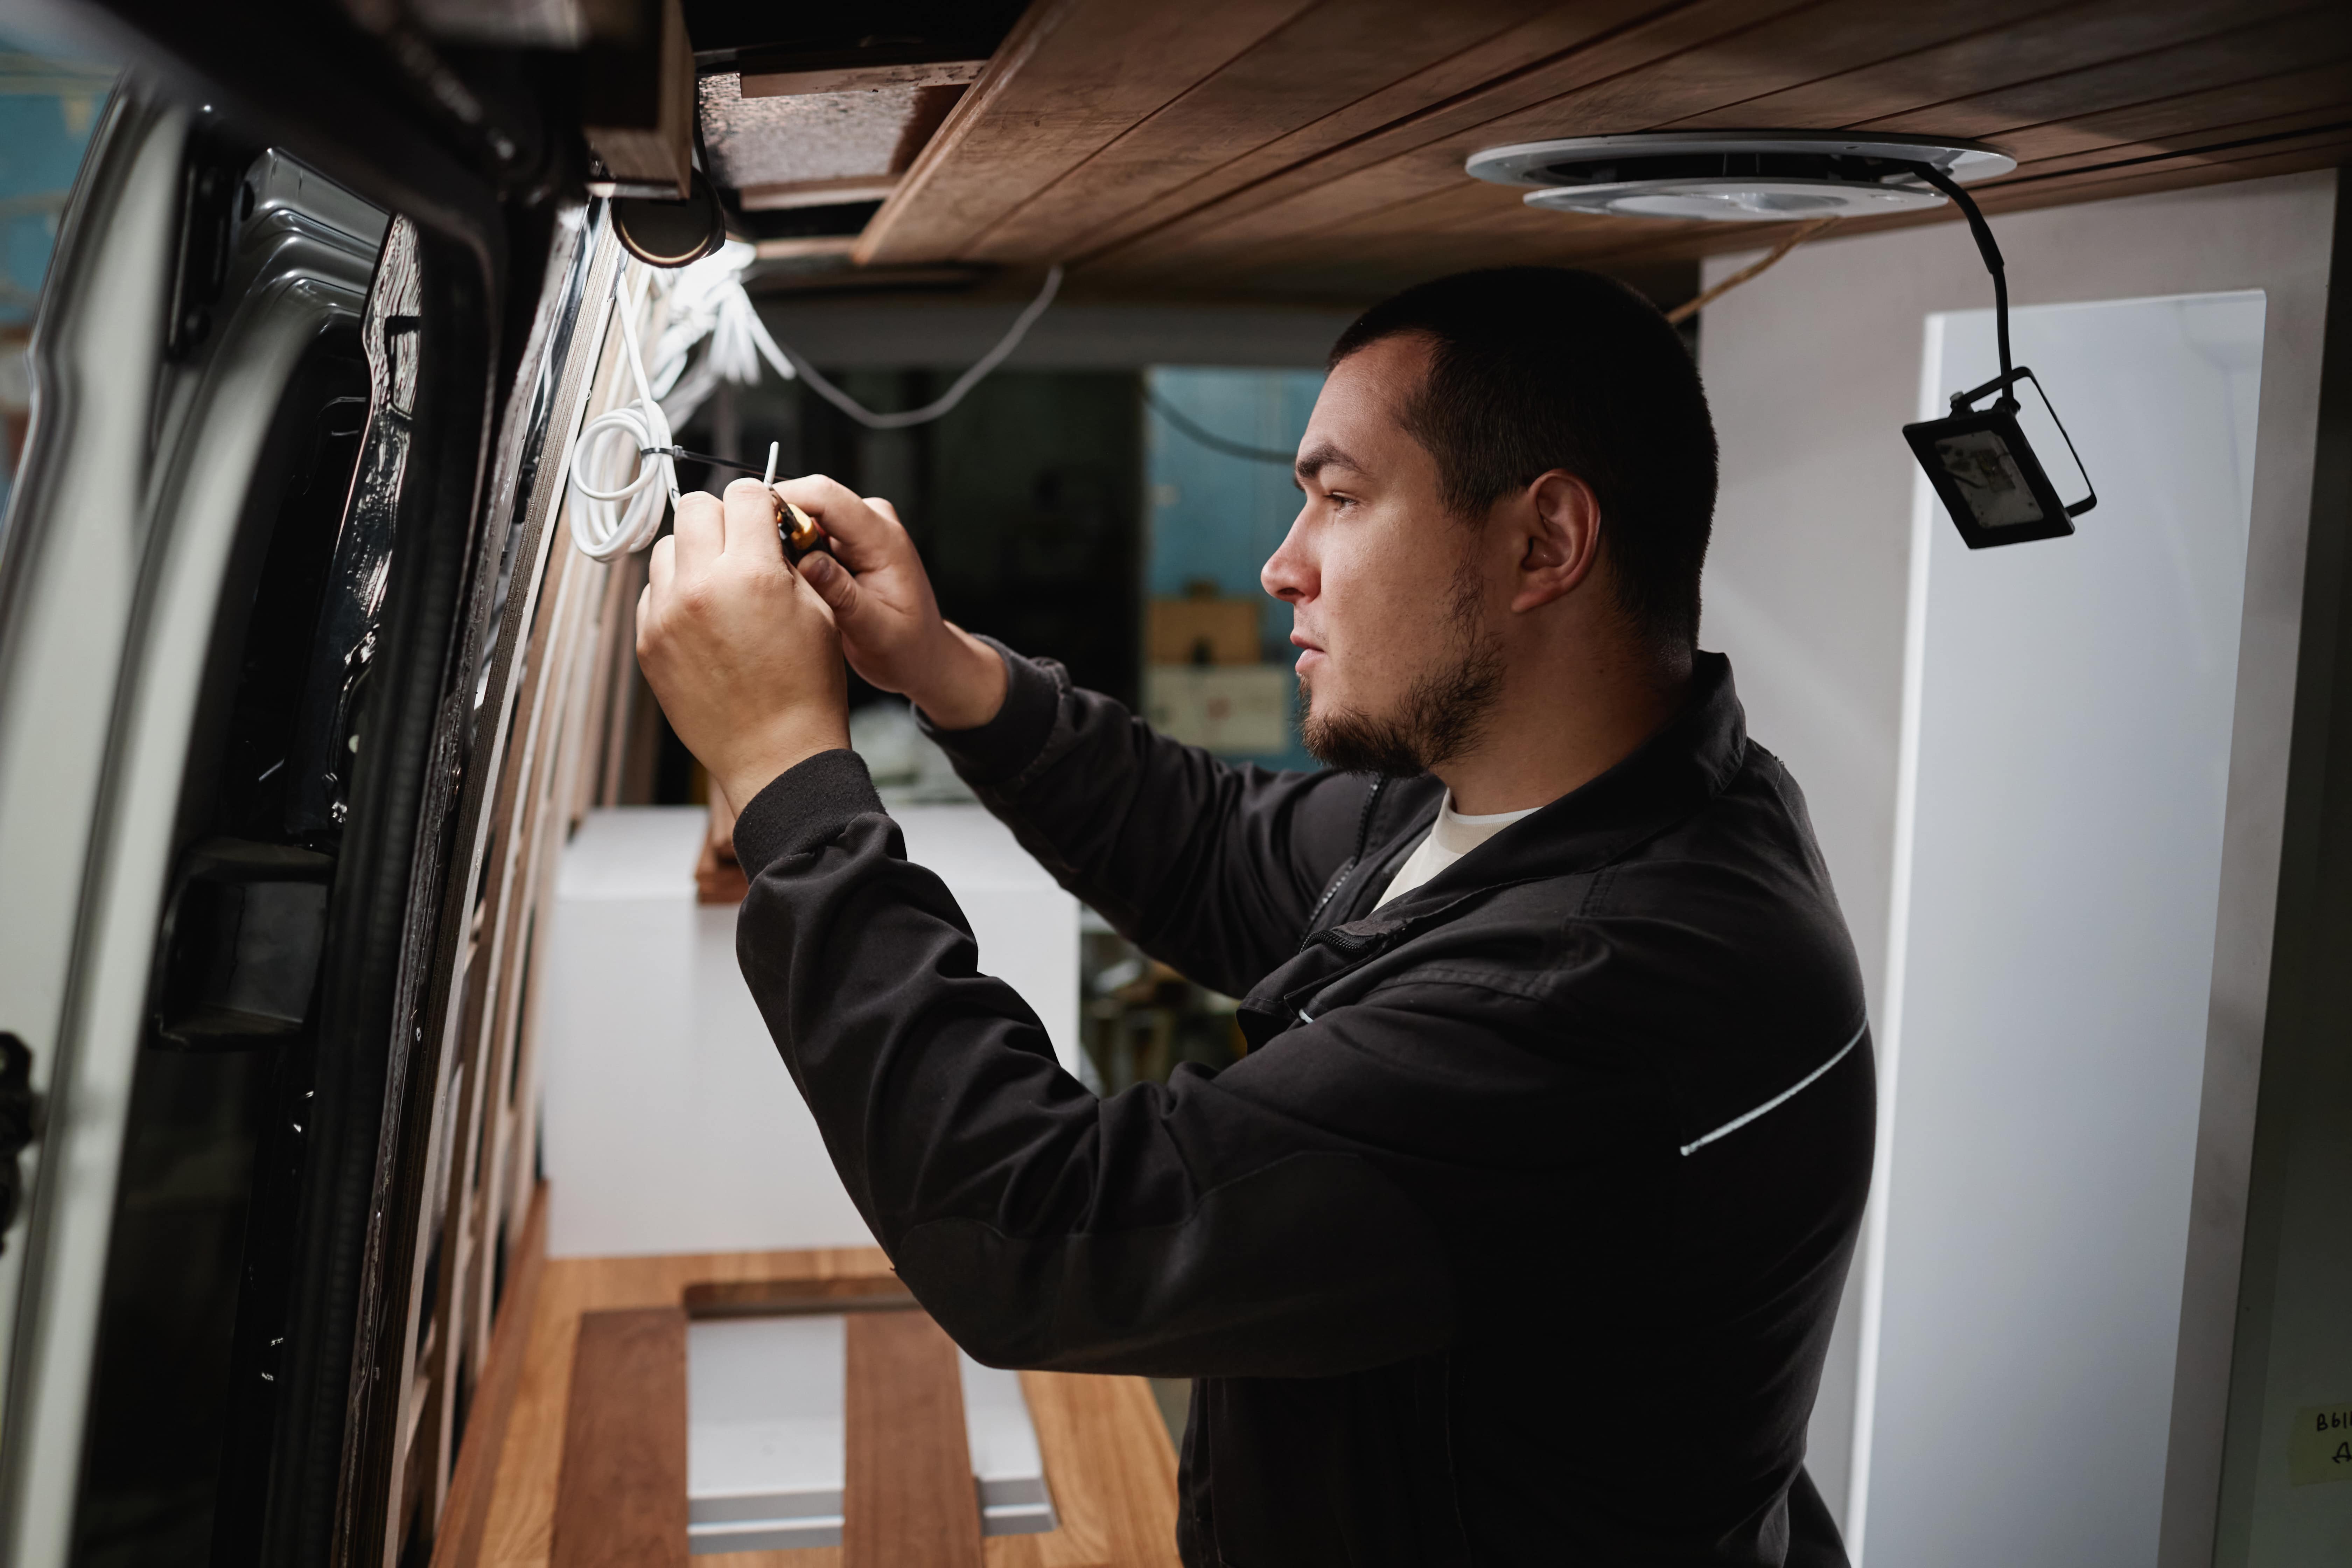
{"x": 1213, "y": 517}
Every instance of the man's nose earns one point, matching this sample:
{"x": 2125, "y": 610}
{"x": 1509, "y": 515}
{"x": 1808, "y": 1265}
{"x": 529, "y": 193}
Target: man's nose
{"x": 1289, "y": 573}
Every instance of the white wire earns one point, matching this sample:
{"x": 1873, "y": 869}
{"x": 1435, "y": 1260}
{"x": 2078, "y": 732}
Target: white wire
{"x": 615, "y": 506}
{"x": 786, "y": 362}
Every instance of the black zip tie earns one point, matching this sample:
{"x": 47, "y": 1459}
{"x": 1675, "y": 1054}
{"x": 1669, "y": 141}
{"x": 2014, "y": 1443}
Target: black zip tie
{"x": 682, "y": 455}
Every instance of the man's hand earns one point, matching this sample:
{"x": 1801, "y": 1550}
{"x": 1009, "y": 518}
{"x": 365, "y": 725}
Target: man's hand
{"x": 882, "y": 601}
{"x": 741, "y": 651}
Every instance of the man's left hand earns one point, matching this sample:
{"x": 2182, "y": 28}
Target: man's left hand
{"x": 743, "y": 654}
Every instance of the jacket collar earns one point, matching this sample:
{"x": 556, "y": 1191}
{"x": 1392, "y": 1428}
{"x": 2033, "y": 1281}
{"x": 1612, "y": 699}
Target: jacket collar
{"x": 1687, "y": 763}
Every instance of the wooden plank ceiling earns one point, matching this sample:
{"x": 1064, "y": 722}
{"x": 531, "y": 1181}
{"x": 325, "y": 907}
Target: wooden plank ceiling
{"x": 1313, "y": 149}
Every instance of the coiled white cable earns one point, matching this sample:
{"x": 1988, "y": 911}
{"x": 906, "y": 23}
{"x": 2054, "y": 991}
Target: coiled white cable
{"x": 617, "y": 497}
{"x": 615, "y": 507}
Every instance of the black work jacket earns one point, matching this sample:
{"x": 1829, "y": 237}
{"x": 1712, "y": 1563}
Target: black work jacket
{"x": 1517, "y": 1236}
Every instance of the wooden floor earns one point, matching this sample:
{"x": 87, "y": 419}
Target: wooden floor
{"x": 1108, "y": 1458}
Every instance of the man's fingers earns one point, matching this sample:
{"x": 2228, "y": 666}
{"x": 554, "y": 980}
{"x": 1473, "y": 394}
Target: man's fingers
{"x": 660, "y": 566}
{"x": 751, "y": 522}
{"x": 861, "y": 537}
{"x": 834, "y": 583}
{"x": 887, "y": 508}
{"x": 701, "y": 532}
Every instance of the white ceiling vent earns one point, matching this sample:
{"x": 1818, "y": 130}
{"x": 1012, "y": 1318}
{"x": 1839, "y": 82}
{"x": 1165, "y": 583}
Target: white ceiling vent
{"x": 1736, "y": 176}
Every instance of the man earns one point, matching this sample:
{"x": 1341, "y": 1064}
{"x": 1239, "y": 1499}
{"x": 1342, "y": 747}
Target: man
{"x": 1518, "y": 1236}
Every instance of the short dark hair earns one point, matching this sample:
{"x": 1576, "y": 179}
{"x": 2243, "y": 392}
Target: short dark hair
{"x": 1538, "y": 368}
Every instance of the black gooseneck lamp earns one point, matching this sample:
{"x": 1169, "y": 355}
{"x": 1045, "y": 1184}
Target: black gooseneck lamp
{"x": 1977, "y": 457}
{"x": 1983, "y": 468}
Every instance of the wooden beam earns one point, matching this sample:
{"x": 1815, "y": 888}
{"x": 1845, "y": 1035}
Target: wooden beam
{"x": 783, "y": 196}
{"x": 1118, "y": 1506}
{"x": 801, "y": 249}
{"x": 909, "y": 1501}
{"x": 653, "y": 159}
{"x": 774, "y": 1298}
{"x": 860, "y": 79}
{"x": 621, "y": 1499}
{"x": 1072, "y": 76}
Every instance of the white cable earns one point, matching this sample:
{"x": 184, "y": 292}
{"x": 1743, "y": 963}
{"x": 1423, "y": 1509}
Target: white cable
{"x": 786, "y": 362}
{"x": 615, "y": 506}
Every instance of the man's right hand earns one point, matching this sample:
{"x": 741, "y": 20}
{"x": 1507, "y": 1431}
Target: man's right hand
{"x": 890, "y": 625}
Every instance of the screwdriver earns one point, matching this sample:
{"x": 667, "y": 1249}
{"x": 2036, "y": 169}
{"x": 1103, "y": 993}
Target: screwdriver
{"x": 796, "y": 528}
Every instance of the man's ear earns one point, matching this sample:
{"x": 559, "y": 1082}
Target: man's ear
{"x": 1562, "y": 519}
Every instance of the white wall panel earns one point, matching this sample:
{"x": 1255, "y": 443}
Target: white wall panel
{"x": 1811, "y": 369}
{"x": 2057, "y": 883}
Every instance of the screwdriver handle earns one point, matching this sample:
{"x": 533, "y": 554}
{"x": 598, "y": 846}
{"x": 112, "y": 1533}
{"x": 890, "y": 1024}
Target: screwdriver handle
{"x": 797, "y": 529}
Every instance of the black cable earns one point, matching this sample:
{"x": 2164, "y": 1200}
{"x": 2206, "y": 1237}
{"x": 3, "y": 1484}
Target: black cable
{"x": 1212, "y": 441}
{"x": 1990, "y": 251}
{"x": 681, "y": 455}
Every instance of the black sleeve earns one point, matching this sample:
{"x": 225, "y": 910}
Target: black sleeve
{"x": 1251, "y": 1222}
{"x": 1208, "y": 866}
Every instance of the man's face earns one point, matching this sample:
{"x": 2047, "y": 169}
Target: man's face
{"x": 1397, "y": 667}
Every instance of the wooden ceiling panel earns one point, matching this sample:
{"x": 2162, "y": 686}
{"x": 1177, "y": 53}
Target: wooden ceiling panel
{"x": 2217, "y": 115}
{"x": 1315, "y": 147}
{"x": 1792, "y": 44}
{"x": 1599, "y": 41}
{"x": 1556, "y": 31}
{"x": 1445, "y": 230}
{"x": 2299, "y": 155}
{"x": 2217, "y": 59}
{"x": 1464, "y": 215}
{"x": 1074, "y": 76}
{"x": 1655, "y": 95}
{"x": 1321, "y": 62}
{"x": 2196, "y": 119}
{"x": 2044, "y": 40}
{"x": 1407, "y": 158}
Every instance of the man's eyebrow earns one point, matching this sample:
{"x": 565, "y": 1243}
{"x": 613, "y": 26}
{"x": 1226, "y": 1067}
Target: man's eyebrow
{"x": 1320, "y": 456}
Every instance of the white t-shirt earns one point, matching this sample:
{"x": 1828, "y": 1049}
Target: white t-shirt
{"x": 1450, "y": 837}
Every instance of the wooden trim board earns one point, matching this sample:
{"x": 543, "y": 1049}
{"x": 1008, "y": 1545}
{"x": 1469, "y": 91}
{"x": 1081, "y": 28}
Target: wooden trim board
{"x": 621, "y": 1500}
{"x": 908, "y": 1500}
{"x": 783, "y": 1298}
{"x": 1108, "y": 1462}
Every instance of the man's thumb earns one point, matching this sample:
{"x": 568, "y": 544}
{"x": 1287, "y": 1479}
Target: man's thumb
{"x": 833, "y": 582}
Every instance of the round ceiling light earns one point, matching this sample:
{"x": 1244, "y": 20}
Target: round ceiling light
{"x": 1736, "y": 176}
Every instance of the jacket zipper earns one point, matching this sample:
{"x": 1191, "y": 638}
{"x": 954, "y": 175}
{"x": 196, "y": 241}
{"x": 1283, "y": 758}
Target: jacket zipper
{"x": 1339, "y": 879}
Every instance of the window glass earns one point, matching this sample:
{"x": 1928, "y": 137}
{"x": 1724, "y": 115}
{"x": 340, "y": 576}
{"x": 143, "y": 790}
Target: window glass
{"x": 49, "y": 105}
{"x": 1217, "y": 657}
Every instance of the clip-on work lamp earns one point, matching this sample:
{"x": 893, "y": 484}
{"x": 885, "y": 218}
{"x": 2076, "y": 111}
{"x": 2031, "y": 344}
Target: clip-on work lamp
{"x": 1977, "y": 459}
{"x": 1983, "y": 468}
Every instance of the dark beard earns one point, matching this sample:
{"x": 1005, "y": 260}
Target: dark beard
{"x": 1443, "y": 714}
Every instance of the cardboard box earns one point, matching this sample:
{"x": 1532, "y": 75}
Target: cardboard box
{"x": 1178, "y": 631}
